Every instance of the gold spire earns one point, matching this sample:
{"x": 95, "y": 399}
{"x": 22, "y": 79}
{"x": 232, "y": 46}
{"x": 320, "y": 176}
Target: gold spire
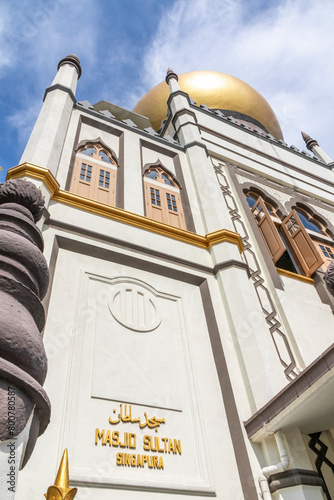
{"x": 61, "y": 489}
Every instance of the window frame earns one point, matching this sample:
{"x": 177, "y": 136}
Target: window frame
{"x": 92, "y": 188}
{"x": 309, "y": 242}
{"x": 170, "y": 210}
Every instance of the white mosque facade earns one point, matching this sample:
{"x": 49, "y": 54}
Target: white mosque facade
{"x": 189, "y": 331}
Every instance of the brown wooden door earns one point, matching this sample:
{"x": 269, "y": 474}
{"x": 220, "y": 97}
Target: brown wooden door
{"x": 301, "y": 244}
{"x": 268, "y": 229}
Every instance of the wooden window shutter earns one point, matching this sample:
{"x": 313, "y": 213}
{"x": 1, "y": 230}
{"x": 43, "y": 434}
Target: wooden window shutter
{"x": 268, "y": 229}
{"x": 301, "y": 244}
{"x": 93, "y": 178}
{"x": 162, "y": 200}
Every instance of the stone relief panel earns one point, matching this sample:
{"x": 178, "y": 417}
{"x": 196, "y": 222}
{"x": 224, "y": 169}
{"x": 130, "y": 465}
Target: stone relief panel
{"x": 266, "y": 301}
{"x": 274, "y": 193}
{"x": 136, "y": 325}
{"x": 328, "y": 215}
{"x": 135, "y": 419}
{"x": 133, "y": 305}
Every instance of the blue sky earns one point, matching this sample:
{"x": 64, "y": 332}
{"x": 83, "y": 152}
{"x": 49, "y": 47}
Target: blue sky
{"x": 283, "y": 48}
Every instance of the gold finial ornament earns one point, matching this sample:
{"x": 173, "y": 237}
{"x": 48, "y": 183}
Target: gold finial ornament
{"x": 61, "y": 489}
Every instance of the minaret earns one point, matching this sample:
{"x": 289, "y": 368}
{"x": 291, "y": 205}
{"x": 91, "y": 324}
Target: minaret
{"x": 313, "y": 146}
{"x": 231, "y": 272}
{"x": 172, "y": 81}
{"x": 47, "y": 138}
{"x": 185, "y": 124}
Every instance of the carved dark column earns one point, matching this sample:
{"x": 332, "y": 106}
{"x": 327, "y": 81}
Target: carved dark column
{"x": 24, "y": 279}
{"x": 329, "y": 278}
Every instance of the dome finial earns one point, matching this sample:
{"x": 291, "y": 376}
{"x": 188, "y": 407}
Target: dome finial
{"x": 310, "y": 143}
{"x": 72, "y": 60}
{"x": 170, "y": 74}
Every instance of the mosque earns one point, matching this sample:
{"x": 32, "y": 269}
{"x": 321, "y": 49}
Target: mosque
{"x": 189, "y": 331}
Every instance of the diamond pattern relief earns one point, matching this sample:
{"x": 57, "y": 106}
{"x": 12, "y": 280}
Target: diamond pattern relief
{"x": 279, "y": 338}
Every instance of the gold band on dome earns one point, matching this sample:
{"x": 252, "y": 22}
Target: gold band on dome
{"x": 217, "y": 91}
{"x": 42, "y": 174}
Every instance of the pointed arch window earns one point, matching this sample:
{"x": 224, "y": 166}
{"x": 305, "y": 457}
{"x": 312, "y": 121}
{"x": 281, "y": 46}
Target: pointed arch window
{"x": 95, "y": 173}
{"x": 298, "y": 239}
{"x": 162, "y": 197}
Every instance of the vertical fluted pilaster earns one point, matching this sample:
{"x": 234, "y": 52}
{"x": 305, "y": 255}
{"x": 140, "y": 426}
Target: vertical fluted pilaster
{"x": 24, "y": 279}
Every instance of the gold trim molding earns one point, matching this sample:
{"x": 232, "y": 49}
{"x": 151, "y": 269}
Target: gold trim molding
{"x": 120, "y": 215}
{"x": 294, "y": 276}
{"x": 36, "y": 172}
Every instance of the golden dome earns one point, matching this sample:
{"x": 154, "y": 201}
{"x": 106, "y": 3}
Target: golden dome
{"x": 217, "y": 91}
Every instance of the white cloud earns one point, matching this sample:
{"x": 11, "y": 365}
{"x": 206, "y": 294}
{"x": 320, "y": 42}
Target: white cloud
{"x": 34, "y": 36}
{"x": 23, "y": 120}
{"x": 283, "y": 49}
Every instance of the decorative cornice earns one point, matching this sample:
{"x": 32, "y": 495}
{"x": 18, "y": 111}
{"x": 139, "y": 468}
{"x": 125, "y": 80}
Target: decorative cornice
{"x": 196, "y": 143}
{"x": 101, "y": 119}
{"x": 36, "y": 172}
{"x": 120, "y": 215}
{"x": 174, "y": 94}
{"x": 57, "y": 86}
{"x": 223, "y": 235}
{"x": 231, "y": 263}
{"x": 295, "y": 276}
{"x": 294, "y": 477}
{"x": 184, "y": 111}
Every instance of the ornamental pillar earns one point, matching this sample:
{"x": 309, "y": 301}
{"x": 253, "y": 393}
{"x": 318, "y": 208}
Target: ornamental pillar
{"x": 24, "y": 278}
